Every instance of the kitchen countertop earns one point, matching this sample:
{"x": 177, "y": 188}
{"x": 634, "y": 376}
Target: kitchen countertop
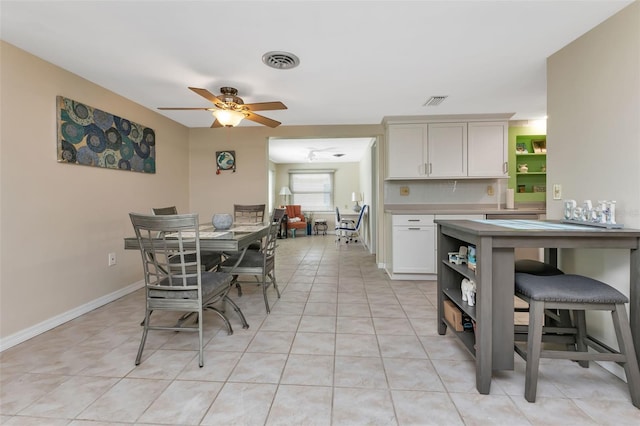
{"x": 460, "y": 209}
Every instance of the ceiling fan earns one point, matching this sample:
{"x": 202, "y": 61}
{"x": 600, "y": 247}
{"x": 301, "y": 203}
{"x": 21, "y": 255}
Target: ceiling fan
{"x": 229, "y": 109}
{"x": 315, "y": 153}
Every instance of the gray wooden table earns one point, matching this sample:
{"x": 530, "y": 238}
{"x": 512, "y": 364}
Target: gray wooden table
{"x": 494, "y": 276}
{"x": 235, "y": 240}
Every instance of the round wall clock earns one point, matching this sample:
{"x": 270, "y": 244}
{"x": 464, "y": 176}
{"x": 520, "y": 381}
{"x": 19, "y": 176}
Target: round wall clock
{"x": 225, "y": 160}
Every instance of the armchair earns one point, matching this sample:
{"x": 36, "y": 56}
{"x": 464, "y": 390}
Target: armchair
{"x": 296, "y": 219}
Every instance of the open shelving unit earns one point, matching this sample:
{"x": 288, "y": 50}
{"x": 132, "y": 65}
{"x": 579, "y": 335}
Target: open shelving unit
{"x": 452, "y": 276}
{"x": 530, "y": 186}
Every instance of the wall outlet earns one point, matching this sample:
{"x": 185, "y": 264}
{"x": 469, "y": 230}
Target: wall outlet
{"x": 404, "y": 190}
{"x": 557, "y": 191}
{"x": 112, "y": 259}
{"x": 490, "y": 190}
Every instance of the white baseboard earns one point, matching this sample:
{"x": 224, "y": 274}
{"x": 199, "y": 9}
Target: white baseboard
{"x": 412, "y": 277}
{"x": 28, "y": 333}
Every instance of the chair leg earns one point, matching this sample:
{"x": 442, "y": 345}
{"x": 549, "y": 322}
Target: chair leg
{"x": 235, "y": 279}
{"x": 145, "y": 331}
{"x": 275, "y": 284}
{"x": 221, "y": 315}
{"x": 625, "y": 342}
{"x": 581, "y": 327}
{"x": 200, "y": 338}
{"x": 534, "y": 346}
{"x": 236, "y": 308}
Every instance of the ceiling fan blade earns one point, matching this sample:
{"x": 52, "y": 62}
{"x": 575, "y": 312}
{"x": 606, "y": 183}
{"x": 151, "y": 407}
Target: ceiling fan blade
{"x": 215, "y": 124}
{"x": 265, "y": 106}
{"x": 262, "y": 120}
{"x": 186, "y": 109}
{"x": 206, "y": 94}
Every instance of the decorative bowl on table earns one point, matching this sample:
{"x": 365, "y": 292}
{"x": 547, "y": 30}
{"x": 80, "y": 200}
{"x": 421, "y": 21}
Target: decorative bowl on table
{"x": 222, "y": 221}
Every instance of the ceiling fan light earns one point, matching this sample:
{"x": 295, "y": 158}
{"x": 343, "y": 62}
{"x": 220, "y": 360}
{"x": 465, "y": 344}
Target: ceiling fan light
{"x": 228, "y": 118}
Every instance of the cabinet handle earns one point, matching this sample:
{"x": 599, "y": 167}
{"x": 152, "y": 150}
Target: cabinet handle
{"x": 414, "y": 229}
{"x": 505, "y": 167}
{"x": 430, "y": 167}
{"x": 413, "y": 220}
{"x": 425, "y": 169}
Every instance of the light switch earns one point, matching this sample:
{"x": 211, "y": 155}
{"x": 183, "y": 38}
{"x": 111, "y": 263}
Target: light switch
{"x": 404, "y": 190}
{"x": 557, "y": 191}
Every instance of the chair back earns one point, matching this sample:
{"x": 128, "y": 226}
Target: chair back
{"x": 362, "y": 210}
{"x": 294, "y": 210}
{"x": 161, "y": 211}
{"x": 253, "y": 213}
{"x": 269, "y": 248}
{"x": 170, "y": 249}
{"x": 278, "y": 215}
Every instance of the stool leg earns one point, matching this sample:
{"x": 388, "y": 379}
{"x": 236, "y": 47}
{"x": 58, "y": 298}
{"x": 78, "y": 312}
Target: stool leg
{"x": 581, "y": 335}
{"x": 534, "y": 346}
{"x": 625, "y": 342}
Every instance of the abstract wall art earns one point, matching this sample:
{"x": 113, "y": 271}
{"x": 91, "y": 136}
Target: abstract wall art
{"x": 225, "y": 160}
{"x": 91, "y": 137}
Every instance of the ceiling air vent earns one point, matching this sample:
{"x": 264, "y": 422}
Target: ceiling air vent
{"x": 434, "y": 101}
{"x": 280, "y": 60}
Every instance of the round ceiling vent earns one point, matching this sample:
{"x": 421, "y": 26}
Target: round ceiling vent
{"x": 280, "y": 60}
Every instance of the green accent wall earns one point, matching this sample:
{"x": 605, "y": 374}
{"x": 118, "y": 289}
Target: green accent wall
{"x": 535, "y": 176}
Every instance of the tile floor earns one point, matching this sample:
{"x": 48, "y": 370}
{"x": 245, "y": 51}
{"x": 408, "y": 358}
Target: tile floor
{"x": 343, "y": 346}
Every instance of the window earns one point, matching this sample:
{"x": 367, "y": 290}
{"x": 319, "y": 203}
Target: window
{"x": 312, "y": 189}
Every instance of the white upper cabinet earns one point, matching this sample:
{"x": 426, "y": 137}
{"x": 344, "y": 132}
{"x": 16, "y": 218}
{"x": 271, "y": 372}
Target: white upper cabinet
{"x": 406, "y": 154}
{"x": 447, "y": 148}
{"x": 427, "y": 150}
{"x": 441, "y": 150}
{"x": 487, "y": 149}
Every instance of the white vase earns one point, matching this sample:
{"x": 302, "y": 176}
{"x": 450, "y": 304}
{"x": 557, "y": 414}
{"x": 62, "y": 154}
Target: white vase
{"x": 222, "y": 221}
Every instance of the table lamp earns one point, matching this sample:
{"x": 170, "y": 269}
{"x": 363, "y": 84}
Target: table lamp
{"x": 285, "y": 191}
{"x": 356, "y": 198}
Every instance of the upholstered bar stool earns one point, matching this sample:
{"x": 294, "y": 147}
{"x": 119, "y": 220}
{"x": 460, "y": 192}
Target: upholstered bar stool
{"x": 535, "y": 267}
{"x": 577, "y": 294}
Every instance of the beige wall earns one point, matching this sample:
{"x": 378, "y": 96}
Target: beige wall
{"x": 59, "y": 221}
{"x": 211, "y": 193}
{"x": 593, "y": 138}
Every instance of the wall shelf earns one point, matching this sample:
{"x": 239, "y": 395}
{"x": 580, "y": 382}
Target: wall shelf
{"x": 535, "y": 177}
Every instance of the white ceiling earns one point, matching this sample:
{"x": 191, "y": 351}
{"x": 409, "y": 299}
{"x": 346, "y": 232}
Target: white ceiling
{"x": 335, "y": 150}
{"x": 360, "y": 60}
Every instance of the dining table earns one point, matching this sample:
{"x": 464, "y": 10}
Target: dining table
{"x": 233, "y": 240}
{"x": 495, "y": 241}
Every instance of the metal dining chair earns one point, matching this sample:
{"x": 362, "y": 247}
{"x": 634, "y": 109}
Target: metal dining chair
{"x": 208, "y": 259}
{"x": 173, "y": 276}
{"x": 258, "y": 263}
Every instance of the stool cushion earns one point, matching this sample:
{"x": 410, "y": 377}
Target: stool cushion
{"x": 566, "y": 288}
{"x": 535, "y": 267}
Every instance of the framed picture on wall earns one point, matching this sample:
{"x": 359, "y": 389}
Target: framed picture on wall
{"x": 539, "y": 146}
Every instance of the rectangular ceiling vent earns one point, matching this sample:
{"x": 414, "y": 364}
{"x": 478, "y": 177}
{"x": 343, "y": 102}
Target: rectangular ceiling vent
{"x": 434, "y": 101}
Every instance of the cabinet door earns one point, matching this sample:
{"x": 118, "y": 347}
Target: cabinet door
{"x": 487, "y": 149}
{"x": 414, "y": 249}
{"x": 405, "y": 151}
{"x": 447, "y": 149}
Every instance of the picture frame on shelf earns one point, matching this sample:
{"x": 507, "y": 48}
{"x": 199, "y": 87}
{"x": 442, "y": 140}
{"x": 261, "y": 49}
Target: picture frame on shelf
{"x": 521, "y": 148}
{"x": 539, "y": 146}
{"x": 539, "y": 188}
{"x": 522, "y": 189}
